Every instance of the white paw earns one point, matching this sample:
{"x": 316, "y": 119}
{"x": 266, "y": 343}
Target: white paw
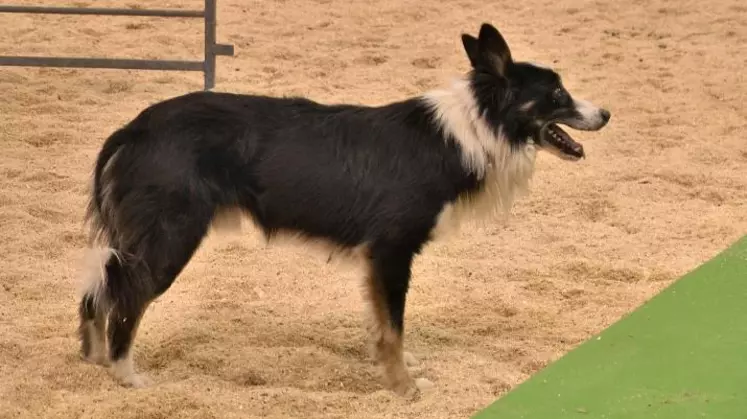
{"x": 140, "y": 381}
{"x": 409, "y": 359}
{"x": 136, "y": 381}
{"x": 424, "y": 384}
{"x": 124, "y": 371}
{"x": 96, "y": 359}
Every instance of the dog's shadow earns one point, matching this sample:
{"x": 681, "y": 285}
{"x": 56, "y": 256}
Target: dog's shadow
{"x": 252, "y": 351}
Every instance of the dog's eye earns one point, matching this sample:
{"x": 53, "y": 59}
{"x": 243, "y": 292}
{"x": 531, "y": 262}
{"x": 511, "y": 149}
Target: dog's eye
{"x": 559, "y": 96}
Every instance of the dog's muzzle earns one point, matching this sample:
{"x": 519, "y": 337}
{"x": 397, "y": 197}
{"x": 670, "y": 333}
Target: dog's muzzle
{"x": 587, "y": 117}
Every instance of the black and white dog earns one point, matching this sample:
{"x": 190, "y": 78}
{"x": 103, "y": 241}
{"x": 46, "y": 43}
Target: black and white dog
{"x": 373, "y": 182}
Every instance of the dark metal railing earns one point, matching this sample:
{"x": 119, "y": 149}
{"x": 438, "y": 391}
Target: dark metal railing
{"x": 207, "y": 66}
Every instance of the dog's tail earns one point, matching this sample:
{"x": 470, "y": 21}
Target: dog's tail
{"x": 95, "y": 212}
{"x": 96, "y": 297}
{"x": 100, "y": 216}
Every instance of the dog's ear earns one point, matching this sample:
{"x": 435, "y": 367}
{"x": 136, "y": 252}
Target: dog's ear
{"x": 472, "y": 47}
{"x": 495, "y": 48}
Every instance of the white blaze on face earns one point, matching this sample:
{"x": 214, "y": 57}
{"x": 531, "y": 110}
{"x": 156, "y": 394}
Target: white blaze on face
{"x": 590, "y": 116}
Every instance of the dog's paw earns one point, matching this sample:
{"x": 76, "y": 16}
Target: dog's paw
{"x": 94, "y": 353}
{"x": 125, "y": 374}
{"x": 424, "y": 384}
{"x": 96, "y": 358}
{"x": 413, "y": 388}
{"x": 409, "y": 359}
{"x": 136, "y": 381}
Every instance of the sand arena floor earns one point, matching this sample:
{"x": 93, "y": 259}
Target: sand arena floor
{"x": 249, "y": 332}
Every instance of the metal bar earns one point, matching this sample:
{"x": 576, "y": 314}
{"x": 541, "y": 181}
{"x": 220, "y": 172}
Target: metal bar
{"x": 101, "y": 11}
{"x": 125, "y": 64}
{"x": 209, "y": 44}
{"x": 223, "y": 49}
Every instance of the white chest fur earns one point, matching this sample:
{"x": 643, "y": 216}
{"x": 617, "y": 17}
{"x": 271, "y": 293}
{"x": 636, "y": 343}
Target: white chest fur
{"x": 504, "y": 170}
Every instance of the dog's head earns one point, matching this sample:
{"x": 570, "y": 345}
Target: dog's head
{"x": 525, "y": 100}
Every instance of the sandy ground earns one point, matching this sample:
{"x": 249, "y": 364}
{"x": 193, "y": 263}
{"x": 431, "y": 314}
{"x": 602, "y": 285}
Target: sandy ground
{"x": 252, "y": 332}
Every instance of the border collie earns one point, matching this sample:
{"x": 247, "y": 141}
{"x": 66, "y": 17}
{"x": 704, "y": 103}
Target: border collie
{"x": 376, "y": 182}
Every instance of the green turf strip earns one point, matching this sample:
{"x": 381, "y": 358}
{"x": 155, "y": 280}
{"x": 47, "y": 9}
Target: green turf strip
{"x": 681, "y": 355}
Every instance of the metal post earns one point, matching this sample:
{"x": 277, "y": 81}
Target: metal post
{"x": 212, "y": 49}
{"x": 209, "y": 44}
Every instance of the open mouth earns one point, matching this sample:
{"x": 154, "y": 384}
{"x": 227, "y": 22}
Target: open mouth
{"x": 554, "y": 136}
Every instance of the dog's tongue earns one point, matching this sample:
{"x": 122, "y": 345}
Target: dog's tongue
{"x": 564, "y": 142}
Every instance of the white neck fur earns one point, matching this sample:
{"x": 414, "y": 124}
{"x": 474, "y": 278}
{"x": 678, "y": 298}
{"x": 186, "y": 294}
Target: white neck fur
{"x": 488, "y": 155}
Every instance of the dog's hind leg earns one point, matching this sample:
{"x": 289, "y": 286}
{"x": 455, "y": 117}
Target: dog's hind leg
{"x": 92, "y": 330}
{"x": 93, "y": 308}
{"x": 162, "y": 253}
{"x": 131, "y": 291}
{"x": 386, "y": 288}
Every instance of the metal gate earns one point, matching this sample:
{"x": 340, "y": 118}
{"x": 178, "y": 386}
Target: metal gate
{"x": 207, "y": 66}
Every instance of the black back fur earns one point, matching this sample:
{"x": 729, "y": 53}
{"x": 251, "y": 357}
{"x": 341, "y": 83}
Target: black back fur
{"x": 350, "y": 174}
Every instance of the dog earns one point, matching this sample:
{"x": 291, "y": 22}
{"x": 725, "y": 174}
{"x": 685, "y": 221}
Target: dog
{"x": 377, "y": 182}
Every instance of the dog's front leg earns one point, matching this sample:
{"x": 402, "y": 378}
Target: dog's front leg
{"x": 386, "y": 289}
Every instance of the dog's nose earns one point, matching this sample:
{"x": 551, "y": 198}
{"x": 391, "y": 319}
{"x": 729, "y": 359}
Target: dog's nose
{"x": 605, "y": 114}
